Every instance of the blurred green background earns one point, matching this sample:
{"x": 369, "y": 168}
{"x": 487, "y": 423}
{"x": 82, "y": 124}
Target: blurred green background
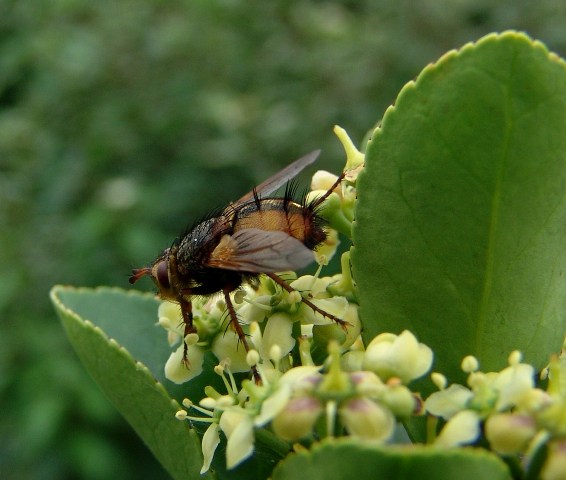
{"x": 123, "y": 122}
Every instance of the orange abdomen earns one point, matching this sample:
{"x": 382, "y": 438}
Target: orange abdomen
{"x": 278, "y": 214}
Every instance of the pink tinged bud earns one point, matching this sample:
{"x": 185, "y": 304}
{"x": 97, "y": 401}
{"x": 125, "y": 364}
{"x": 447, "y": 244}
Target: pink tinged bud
{"x": 367, "y": 420}
{"x": 297, "y": 420}
{"x": 509, "y": 433}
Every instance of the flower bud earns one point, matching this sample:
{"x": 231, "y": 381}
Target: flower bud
{"x": 323, "y": 180}
{"x": 400, "y": 400}
{"x": 470, "y": 364}
{"x": 297, "y": 419}
{"x": 367, "y": 420}
{"x": 509, "y": 433}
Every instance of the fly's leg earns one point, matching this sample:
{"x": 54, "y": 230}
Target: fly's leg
{"x": 239, "y": 331}
{"x": 187, "y": 311}
{"x": 279, "y": 281}
{"x": 320, "y": 200}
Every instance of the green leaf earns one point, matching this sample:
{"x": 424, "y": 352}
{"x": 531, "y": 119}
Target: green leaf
{"x": 129, "y": 385}
{"x": 116, "y": 337}
{"x": 460, "y": 228}
{"x": 351, "y": 459}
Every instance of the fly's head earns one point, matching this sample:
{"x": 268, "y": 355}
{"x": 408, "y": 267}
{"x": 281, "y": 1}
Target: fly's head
{"x": 160, "y": 272}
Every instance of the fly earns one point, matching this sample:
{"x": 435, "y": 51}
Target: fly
{"x": 256, "y": 235}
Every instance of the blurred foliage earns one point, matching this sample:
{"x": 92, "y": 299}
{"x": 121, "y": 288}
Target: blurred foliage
{"x": 123, "y": 122}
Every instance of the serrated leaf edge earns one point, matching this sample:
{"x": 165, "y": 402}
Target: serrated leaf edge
{"x": 58, "y": 303}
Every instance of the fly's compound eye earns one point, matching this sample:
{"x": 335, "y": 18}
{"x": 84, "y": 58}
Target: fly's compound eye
{"x": 162, "y": 275}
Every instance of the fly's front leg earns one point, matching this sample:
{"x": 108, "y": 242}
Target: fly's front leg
{"x": 187, "y": 311}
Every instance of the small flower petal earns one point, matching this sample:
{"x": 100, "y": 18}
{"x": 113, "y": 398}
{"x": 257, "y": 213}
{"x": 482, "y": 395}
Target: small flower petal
{"x": 273, "y": 405}
{"x": 278, "y": 331}
{"x": 513, "y": 383}
{"x": 463, "y": 428}
{"x": 227, "y": 345}
{"x": 240, "y": 443}
{"x": 210, "y": 441}
{"x": 446, "y": 403}
{"x": 177, "y": 371}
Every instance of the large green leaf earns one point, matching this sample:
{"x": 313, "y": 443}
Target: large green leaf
{"x": 129, "y": 385}
{"x": 460, "y": 229}
{"x": 352, "y": 459}
{"x": 115, "y": 335}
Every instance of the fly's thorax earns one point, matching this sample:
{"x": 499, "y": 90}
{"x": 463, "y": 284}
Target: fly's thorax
{"x": 195, "y": 246}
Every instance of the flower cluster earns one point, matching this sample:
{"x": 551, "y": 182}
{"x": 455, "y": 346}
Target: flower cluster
{"x": 269, "y": 316}
{"x": 518, "y": 418}
{"x": 361, "y": 394}
{"x": 310, "y": 402}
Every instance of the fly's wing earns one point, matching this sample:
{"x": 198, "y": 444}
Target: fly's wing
{"x": 281, "y": 177}
{"x": 260, "y": 251}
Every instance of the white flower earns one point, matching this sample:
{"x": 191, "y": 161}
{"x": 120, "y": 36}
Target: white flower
{"x": 179, "y": 371}
{"x": 513, "y": 383}
{"x": 400, "y": 356}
